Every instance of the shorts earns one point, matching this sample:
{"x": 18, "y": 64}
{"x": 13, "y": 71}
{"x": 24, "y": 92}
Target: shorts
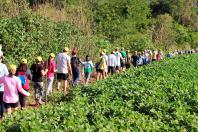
{"x": 87, "y": 75}
{"x": 10, "y": 105}
{"x": 122, "y": 65}
{"x": 99, "y": 70}
{"x": 111, "y": 69}
{"x": 62, "y": 76}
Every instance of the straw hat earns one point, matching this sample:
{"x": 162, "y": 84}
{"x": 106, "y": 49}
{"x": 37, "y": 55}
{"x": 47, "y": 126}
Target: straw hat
{"x": 66, "y": 49}
{"x": 52, "y": 55}
{"x": 24, "y": 61}
{"x": 39, "y": 58}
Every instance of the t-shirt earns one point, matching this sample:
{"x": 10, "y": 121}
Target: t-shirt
{"x": 63, "y": 60}
{"x": 88, "y": 66}
{"x": 36, "y": 72}
{"x": 3, "y": 72}
{"x": 123, "y": 53}
{"x": 51, "y": 68}
{"x": 75, "y": 62}
{"x": 118, "y": 58}
{"x": 102, "y": 63}
{"x": 135, "y": 59}
{"x": 12, "y": 87}
{"x": 112, "y": 60}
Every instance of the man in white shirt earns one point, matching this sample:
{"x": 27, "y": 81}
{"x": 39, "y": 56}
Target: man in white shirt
{"x": 63, "y": 69}
{"x": 118, "y": 59}
{"x": 111, "y": 63}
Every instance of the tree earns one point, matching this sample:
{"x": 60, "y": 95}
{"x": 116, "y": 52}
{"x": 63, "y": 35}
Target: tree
{"x": 163, "y": 34}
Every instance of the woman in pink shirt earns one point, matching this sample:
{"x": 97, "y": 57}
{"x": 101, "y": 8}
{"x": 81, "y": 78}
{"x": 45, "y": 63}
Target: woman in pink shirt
{"x": 51, "y": 66}
{"x": 12, "y": 85}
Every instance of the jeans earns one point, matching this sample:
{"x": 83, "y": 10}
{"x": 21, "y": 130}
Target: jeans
{"x": 50, "y": 81}
{"x": 1, "y": 104}
{"x": 76, "y": 76}
{"x": 38, "y": 89}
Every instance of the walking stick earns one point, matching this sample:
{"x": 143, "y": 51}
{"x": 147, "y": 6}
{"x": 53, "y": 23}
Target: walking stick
{"x": 46, "y": 85}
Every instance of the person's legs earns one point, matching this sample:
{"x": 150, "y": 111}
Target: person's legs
{"x": 59, "y": 79}
{"x": 8, "y": 108}
{"x": 98, "y": 75}
{"x": 8, "y": 111}
{"x": 66, "y": 90}
{"x": 14, "y": 106}
{"x": 87, "y": 77}
{"x": 22, "y": 100}
{"x": 49, "y": 85}
{"x": 1, "y": 105}
{"x": 76, "y": 76}
{"x": 36, "y": 92}
{"x": 40, "y": 92}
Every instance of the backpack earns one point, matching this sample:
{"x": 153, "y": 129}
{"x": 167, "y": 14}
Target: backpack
{"x": 24, "y": 80}
{"x": 97, "y": 65}
{"x": 75, "y": 62}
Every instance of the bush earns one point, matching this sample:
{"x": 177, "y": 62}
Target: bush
{"x": 28, "y": 36}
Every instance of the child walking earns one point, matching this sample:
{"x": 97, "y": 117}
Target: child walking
{"x": 88, "y": 67}
{"x": 25, "y": 76}
{"x": 12, "y": 85}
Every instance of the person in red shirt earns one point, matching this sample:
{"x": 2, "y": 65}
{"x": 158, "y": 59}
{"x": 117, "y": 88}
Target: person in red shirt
{"x": 51, "y": 66}
{"x": 25, "y": 75}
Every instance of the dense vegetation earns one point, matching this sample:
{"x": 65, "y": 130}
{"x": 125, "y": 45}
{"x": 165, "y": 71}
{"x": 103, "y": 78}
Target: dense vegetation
{"x": 159, "y": 97}
{"x": 30, "y": 25}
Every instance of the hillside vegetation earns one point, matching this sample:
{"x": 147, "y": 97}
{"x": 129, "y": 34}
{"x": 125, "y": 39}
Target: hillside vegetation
{"x": 159, "y": 97}
{"x": 44, "y": 26}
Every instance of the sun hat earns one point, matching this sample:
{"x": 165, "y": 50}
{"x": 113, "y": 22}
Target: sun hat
{"x": 52, "y": 55}
{"x": 66, "y": 49}
{"x": 23, "y": 61}
{"x": 39, "y": 58}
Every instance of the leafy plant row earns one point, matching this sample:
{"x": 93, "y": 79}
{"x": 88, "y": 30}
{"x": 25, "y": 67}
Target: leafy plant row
{"x": 159, "y": 97}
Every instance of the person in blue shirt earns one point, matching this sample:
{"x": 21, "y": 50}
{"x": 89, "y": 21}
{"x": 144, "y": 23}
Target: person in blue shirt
{"x": 168, "y": 55}
{"x": 3, "y": 72}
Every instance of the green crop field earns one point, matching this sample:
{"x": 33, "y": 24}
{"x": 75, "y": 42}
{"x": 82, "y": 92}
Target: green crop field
{"x": 159, "y": 97}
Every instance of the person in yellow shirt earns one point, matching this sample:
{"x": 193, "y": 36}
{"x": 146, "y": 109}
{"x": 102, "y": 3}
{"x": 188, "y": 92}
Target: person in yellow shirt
{"x": 100, "y": 67}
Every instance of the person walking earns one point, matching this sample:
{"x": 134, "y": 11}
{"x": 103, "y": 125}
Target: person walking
{"x": 38, "y": 71}
{"x": 118, "y": 59}
{"x": 25, "y": 76}
{"x": 128, "y": 60}
{"x": 111, "y": 63}
{"x": 88, "y": 68}
{"x": 3, "y": 72}
{"x": 135, "y": 59}
{"x": 75, "y": 66}
{"x": 51, "y": 66}
{"x": 159, "y": 55}
{"x": 63, "y": 62}
{"x": 12, "y": 86}
{"x": 123, "y": 61}
{"x": 106, "y": 63}
{"x": 100, "y": 67}
{"x": 154, "y": 57}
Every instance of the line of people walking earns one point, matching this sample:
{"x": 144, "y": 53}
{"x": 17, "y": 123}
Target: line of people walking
{"x": 15, "y": 80}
